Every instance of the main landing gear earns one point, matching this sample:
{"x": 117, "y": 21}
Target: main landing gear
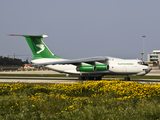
{"x": 127, "y": 78}
{"x": 90, "y": 78}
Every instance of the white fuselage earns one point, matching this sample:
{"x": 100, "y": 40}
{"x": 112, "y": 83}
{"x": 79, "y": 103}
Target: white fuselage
{"x": 121, "y": 66}
{"x": 116, "y": 66}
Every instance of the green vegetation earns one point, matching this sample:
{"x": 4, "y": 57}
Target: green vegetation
{"x": 92, "y": 100}
{"x": 6, "y": 61}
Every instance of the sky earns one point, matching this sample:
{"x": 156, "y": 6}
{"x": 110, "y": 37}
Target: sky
{"x": 81, "y": 28}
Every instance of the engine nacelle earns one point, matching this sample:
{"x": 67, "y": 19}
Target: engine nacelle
{"x": 102, "y": 67}
{"x": 87, "y": 68}
{"x": 92, "y": 68}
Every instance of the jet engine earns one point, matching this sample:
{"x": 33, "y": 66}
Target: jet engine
{"x": 86, "y": 68}
{"x": 102, "y": 67}
{"x": 92, "y": 68}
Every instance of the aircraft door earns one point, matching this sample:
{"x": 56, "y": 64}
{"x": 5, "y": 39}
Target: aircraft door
{"x": 124, "y": 68}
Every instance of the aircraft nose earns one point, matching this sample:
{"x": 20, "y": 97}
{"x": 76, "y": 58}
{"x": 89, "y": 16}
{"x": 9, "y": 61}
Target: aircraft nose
{"x": 149, "y": 69}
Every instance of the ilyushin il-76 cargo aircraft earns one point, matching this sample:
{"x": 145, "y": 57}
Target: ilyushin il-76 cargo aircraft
{"x": 93, "y": 68}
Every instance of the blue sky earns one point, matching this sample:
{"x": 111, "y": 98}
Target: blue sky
{"x": 81, "y": 28}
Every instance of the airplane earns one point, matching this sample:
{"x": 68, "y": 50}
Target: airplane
{"x": 93, "y": 68}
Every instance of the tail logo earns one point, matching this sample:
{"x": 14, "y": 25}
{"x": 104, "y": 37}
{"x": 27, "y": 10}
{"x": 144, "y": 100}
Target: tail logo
{"x": 41, "y": 46}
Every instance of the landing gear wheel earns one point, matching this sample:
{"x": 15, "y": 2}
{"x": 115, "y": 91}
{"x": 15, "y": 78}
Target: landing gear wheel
{"x": 81, "y": 78}
{"x": 127, "y": 78}
{"x": 91, "y": 78}
{"x": 98, "y": 78}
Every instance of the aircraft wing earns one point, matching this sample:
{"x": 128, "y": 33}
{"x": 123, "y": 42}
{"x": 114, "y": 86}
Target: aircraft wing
{"x": 76, "y": 61}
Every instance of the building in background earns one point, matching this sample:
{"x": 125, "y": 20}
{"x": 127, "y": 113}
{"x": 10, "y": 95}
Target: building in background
{"x": 28, "y": 66}
{"x": 155, "y": 56}
{"x": 153, "y": 59}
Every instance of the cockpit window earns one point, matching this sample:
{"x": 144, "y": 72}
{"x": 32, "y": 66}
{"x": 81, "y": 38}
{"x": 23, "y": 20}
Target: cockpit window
{"x": 143, "y": 63}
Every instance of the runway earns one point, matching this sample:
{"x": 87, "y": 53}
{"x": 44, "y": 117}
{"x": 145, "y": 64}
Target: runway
{"x": 64, "y": 79}
{"x": 39, "y": 79}
{"x": 151, "y": 73}
{"x": 154, "y": 73}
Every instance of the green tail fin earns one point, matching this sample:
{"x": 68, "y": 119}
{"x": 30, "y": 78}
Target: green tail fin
{"x": 38, "y": 47}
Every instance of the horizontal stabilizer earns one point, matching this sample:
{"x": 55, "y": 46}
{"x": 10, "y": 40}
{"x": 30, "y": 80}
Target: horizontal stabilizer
{"x": 42, "y": 36}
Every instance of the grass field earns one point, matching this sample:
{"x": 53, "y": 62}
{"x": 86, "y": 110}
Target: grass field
{"x": 92, "y": 100}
